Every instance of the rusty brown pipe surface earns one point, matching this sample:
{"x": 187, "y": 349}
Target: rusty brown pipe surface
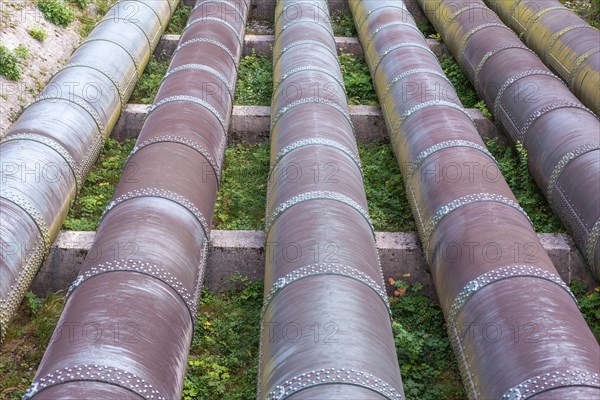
{"x": 128, "y": 321}
{"x": 565, "y": 42}
{"x": 561, "y": 136}
{"x": 326, "y": 330}
{"x": 513, "y": 323}
{"x": 47, "y": 153}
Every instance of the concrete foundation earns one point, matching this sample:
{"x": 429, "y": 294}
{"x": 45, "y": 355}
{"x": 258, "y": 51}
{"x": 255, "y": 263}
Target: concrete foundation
{"x": 244, "y": 252}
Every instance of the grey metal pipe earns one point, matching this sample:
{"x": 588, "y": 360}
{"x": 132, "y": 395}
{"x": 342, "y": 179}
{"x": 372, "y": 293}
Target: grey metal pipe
{"x": 326, "y": 329}
{"x": 513, "y": 323}
{"x": 47, "y": 153}
{"x": 564, "y": 41}
{"x": 561, "y": 136}
{"x": 128, "y": 321}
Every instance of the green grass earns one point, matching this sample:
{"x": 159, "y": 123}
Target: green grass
{"x": 255, "y": 81}
{"x": 179, "y": 19}
{"x": 147, "y": 86}
{"x": 242, "y": 195}
{"x": 513, "y": 165}
{"x": 386, "y": 196}
{"x": 343, "y": 24}
{"x": 589, "y": 304}
{"x": 56, "y": 11}
{"x": 427, "y": 364}
{"x": 99, "y": 187}
{"x": 38, "y": 33}
{"x": 90, "y": 16}
{"x": 357, "y": 78}
{"x": 589, "y": 10}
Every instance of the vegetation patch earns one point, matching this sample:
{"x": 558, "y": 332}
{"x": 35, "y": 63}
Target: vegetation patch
{"x": 38, "y": 33}
{"x": 99, "y": 187}
{"x": 10, "y": 65}
{"x": 386, "y": 195}
{"x": 589, "y": 304}
{"x": 179, "y": 19}
{"x": 589, "y": 10}
{"x": 513, "y": 165}
{"x": 89, "y": 17}
{"x": 255, "y": 81}
{"x": 147, "y": 86}
{"x": 466, "y": 93}
{"x": 357, "y": 78}
{"x": 56, "y": 11}
{"x": 427, "y": 363}
{"x": 243, "y": 191}
{"x": 343, "y": 24}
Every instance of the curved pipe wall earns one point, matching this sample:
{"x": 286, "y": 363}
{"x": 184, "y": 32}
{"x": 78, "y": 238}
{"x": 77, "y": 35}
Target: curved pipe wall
{"x": 513, "y": 323}
{"x": 47, "y": 153}
{"x": 326, "y": 330}
{"x": 565, "y": 42}
{"x": 535, "y": 107}
{"x": 128, "y": 322}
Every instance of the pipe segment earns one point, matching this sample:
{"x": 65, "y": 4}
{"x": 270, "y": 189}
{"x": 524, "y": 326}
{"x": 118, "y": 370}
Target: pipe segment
{"x": 565, "y": 42}
{"x": 560, "y": 135}
{"x": 513, "y": 323}
{"x": 128, "y": 321}
{"x": 48, "y": 152}
{"x": 326, "y": 330}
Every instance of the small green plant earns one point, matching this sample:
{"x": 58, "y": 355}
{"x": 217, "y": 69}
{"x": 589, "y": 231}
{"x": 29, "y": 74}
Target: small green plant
{"x": 514, "y": 168}
{"x": 38, "y": 33}
{"x": 81, "y": 4}
{"x": 343, "y": 24}
{"x": 463, "y": 87}
{"x": 147, "y": 87}
{"x": 255, "y": 81}
{"x": 22, "y": 52}
{"x": 480, "y": 105}
{"x": 179, "y": 19}
{"x": 357, "y": 78}
{"x": 10, "y": 67}
{"x": 589, "y": 304}
{"x": 99, "y": 186}
{"x": 386, "y": 196}
{"x": 241, "y": 198}
{"x": 56, "y": 11}
{"x": 434, "y": 36}
{"x": 426, "y": 28}
{"x": 427, "y": 363}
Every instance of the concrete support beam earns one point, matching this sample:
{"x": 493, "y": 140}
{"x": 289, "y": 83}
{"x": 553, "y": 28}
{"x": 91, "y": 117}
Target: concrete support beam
{"x": 243, "y": 252}
{"x": 250, "y": 124}
{"x": 263, "y": 44}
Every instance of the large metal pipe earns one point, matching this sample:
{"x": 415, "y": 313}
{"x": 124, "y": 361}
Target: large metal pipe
{"x": 128, "y": 321}
{"x": 561, "y": 136}
{"x": 564, "y": 41}
{"x": 326, "y": 328}
{"x": 513, "y": 323}
{"x": 47, "y": 153}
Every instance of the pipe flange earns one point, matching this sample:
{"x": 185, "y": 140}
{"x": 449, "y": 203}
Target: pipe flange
{"x": 489, "y": 54}
{"x": 562, "y": 164}
{"x": 316, "y": 195}
{"x": 334, "y": 376}
{"x": 313, "y": 142}
{"x": 466, "y": 200}
{"x": 310, "y": 100}
{"x": 35, "y": 215}
{"x": 396, "y": 47}
{"x": 162, "y": 194}
{"x": 193, "y": 100}
{"x": 309, "y": 68}
{"x": 95, "y": 373}
{"x": 434, "y": 103}
{"x": 54, "y": 145}
{"x": 416, "y": 164}
{"x": 202, "y": 67}
{"x": 546, "y": 109}
{"x": 219, "y": 20}
{"x": 183, "y": 141}
{"x": 552, "y": 380}
{"x": 326, "y": 269}
{"x": 515, "y": 78}
{"x": 144, "y": 268}
{"x": 210, "y": 41}
{"x": 81, "y": 103}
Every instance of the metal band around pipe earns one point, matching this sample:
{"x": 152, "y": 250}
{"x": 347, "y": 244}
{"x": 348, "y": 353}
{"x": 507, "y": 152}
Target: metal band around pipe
{"x": 205, "y": 68}
{"x": 309, "y": 100}
{"x": 565, "y": 377}
{"x": 289, "y": 5}
{"x": 333, "y": 376}
{"x": 308, "y": 68}
{"x": 81, "y": 103}
{"x": 513, "y": 79}
{"x": 194, "y": 100}
{"x": 546, "y": 109}
{"x": 396, "y": 47}
{"x": 404, "y": 74}
{"x": 300, "y": 43}
{"x": 210, "y": 41}
{"x": 101, "y": 38}
{"x": 144, "y": 268}
{"x": 214, "y": 19}
{"x": 554, "y": 38}
{"x": 489, "y": 54}
{"x": 230, "y": 4}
